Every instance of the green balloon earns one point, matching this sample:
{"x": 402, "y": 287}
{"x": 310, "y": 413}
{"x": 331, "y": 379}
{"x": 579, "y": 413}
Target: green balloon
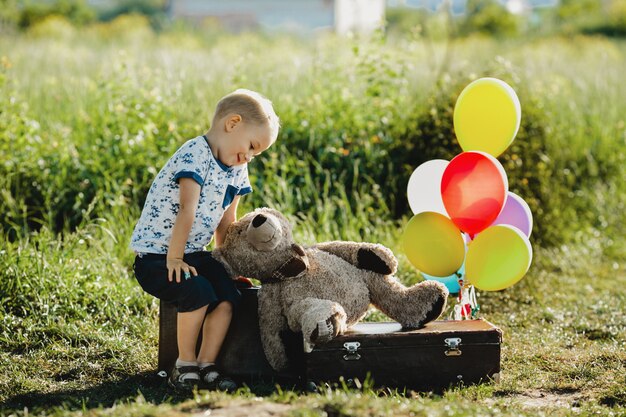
{"x": 433, "y": 244}
{"x": 497, "y": 258}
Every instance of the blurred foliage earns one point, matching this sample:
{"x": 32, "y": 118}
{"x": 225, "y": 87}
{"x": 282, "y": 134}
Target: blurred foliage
{"x": 486, "y": 17}
{"x": 403, "y": 20}
{"x": 52, "y": 27}
{"x": 590, "y": 17}
{"x": 489, "y": 17}
{"x": 153, "y": 10}
{"x": 78, "y": 12}
{"x": 613, "y": 22}
{"x": 568, "y": 10}
{"x": 9, "y": 15}
{"x": 130, "y": 28}
{"x": 26, "y": 13}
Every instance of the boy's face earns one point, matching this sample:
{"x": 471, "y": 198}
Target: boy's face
{"x": 243, "y": 141}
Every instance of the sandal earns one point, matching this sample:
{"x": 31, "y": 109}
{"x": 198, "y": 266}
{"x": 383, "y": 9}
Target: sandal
{"x": 219, "y": 382}
{"x": 184, "y": 378}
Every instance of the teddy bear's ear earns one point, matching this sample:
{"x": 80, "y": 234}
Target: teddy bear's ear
{"x": 298, "y": 249}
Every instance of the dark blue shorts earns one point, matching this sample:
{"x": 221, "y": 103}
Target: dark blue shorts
{"x": 210, "y": 287}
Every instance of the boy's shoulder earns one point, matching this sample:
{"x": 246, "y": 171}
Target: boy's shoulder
{"x": 190, "y": 147}
{"x": 193, "y": 142}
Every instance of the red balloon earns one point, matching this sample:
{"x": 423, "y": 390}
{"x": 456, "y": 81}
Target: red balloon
{"x": 473, "y": 190}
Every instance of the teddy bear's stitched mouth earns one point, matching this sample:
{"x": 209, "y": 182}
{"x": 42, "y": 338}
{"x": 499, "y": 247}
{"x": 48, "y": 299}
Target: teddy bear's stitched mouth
{"x": 270, "y": 239}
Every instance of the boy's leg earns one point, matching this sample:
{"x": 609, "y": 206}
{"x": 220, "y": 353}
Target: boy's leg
{"x": 220, "y": 313}
{"x": 214, "y": 331}
{"x": 217, "y": 320}
{"x": 188, "y": 327}
{"x": 192, "y": 298}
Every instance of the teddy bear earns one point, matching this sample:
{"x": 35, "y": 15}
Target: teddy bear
{"x": 320, "y": 290}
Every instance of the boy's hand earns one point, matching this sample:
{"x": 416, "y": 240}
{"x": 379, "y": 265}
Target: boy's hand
{"x": 177, "y": 268}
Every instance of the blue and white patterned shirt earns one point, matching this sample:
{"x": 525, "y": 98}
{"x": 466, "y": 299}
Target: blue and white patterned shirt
{"x": 220, "y": 184}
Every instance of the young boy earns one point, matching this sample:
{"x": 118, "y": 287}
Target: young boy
{"x": 194, "y": 197}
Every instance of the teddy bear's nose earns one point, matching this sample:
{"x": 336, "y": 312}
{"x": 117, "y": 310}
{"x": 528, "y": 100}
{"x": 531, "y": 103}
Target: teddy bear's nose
{"x": 258, "y": 220}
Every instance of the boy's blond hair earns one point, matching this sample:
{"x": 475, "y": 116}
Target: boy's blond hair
{"x": 251, "y": 106}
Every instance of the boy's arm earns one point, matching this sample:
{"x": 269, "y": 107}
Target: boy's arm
{"x": 230, "y": 215}
{"x": 189, "y": 197}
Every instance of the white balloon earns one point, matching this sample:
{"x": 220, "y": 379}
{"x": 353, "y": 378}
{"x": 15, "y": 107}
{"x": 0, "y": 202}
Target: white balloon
{"x": 424, "y": 189}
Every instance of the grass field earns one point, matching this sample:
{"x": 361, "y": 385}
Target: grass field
{"x": 82, "y": 341}
{"x": 85, "y": 122}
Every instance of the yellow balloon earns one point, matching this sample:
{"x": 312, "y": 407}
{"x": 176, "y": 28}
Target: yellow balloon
{"x": 433, "y": 244}
{"x": 497, "y": 258}
{"x": 487, "y": 116}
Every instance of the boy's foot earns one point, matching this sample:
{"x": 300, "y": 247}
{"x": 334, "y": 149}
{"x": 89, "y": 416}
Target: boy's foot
{"x": 211, "y": 377}
{"x": 184, "y": 378}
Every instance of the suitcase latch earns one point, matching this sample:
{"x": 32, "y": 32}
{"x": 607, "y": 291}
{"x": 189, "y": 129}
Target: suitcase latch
{"x": 453, "y": 344}
{"x": 352, "y": 354}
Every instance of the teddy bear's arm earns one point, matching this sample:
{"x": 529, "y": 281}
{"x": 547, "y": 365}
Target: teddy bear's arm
{"x": 271, "y": 323}
{"x": 370, "y": 256}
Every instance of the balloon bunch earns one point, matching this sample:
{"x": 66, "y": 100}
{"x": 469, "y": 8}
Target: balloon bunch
{"x": 467, "y": 228}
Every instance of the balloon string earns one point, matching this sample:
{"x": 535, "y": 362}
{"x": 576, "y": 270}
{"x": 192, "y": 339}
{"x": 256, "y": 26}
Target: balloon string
{"x": 467, "y": 307}
{"x": 474, "y": 303}
{"x": 457, "y": 313}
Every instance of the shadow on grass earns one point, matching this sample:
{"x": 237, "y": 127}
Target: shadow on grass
{"x": 149, "y": 385}
{"x": 153, "y": 388}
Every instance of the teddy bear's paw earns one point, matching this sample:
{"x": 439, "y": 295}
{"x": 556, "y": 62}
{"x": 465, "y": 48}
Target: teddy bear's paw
{"x": 429, "y": 303}
{"x": 439, "y": 296}
{"x": 326, "y": 330}
{"x": 436, "y": 310}
{"x": 307, "y": 346}
{"x": 370, "y": 260}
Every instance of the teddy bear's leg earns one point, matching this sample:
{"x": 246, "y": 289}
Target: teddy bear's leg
{"x": 271, "y": 323}
{"x": 318, "y": 320}
{"x": 370, "y": 256}
{"x": 413, "y": 306}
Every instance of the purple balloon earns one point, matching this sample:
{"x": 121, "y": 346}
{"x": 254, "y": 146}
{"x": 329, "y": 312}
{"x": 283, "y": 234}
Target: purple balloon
{"x": 516, "y": 212}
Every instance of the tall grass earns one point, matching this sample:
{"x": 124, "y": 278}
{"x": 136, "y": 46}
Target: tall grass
{"x": 89, "y": 122}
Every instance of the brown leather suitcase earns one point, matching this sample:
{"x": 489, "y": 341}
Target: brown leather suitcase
{"x": 441, "y": 354}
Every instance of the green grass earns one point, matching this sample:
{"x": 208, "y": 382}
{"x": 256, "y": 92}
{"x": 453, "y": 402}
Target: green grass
{"x": 86, "y": 120}
{"x": 80, "y": 338}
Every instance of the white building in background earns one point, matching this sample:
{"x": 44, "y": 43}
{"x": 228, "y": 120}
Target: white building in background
{"x": 360, "y": 16}
{"x": 342, "y": 16}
